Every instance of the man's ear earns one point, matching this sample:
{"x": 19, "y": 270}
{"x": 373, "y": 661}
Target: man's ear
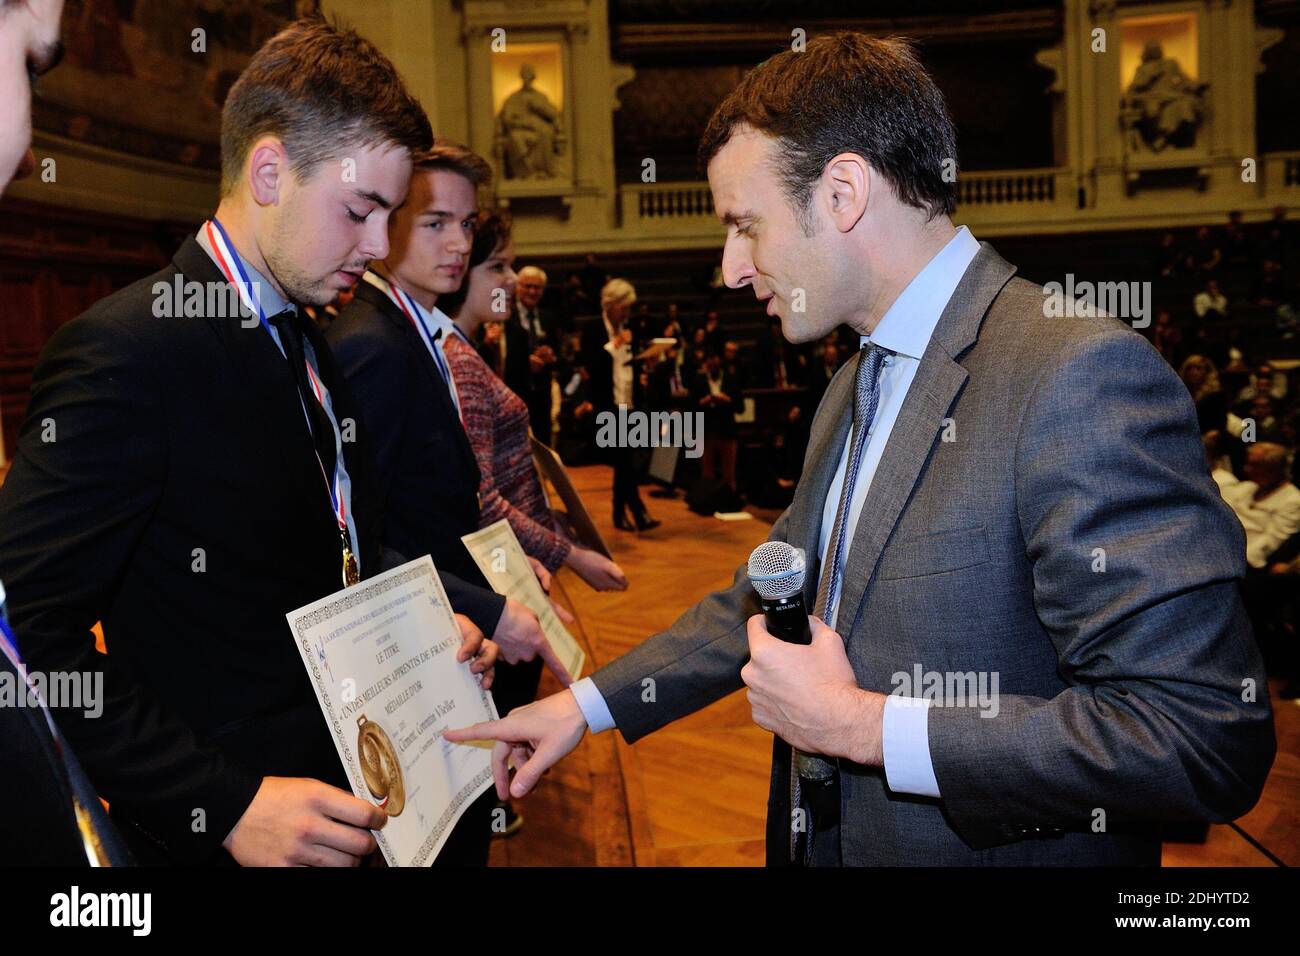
{"x": 847, "y": 179}
{"x": 268, "y": 170}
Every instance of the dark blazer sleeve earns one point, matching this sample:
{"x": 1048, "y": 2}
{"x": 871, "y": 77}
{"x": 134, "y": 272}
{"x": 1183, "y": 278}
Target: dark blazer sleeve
{"x": 90, "y": 468}
{"x": 379, "y": 378}
{"x": 480, "y": 605}
{"x": 689, "y": 666}
{"x": 698, "y": 659}
{"x": 1167, "y": 711}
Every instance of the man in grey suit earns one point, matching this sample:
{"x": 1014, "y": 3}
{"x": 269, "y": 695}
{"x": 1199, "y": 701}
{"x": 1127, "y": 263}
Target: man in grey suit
{"x": 1034, "y": 649}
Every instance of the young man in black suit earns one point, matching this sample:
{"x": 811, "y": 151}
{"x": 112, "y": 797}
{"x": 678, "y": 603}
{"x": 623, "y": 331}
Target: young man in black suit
{"x": 388, "y": 342}
{"x": 187, "y": 475}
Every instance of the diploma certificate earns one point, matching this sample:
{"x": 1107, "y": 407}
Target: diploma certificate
{"x": 381, "y": 656}
{"x": 497, "y": 552}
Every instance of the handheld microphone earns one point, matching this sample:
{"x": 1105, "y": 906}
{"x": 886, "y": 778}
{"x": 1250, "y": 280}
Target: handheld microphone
{"x": 776, "y": 569}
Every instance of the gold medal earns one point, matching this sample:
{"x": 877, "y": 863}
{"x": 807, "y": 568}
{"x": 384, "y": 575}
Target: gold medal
{"x": 351, "y": 572}
{"x": 380, "y": 767}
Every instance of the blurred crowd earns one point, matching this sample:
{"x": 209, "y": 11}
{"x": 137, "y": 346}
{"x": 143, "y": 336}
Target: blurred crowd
{"x": 1235, "y": 348}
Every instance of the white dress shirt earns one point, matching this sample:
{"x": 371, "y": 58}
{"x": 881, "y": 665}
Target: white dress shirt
{"x": 622, "y": 366}
{"x": 1268, "y": 521}
{"x": 905, "y": 331}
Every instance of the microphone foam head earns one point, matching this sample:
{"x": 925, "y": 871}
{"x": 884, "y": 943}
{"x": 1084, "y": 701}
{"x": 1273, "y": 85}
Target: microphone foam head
{"x": 776, "y": 569}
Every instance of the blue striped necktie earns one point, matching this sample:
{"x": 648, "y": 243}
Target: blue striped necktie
{"x": 812, "y": 768}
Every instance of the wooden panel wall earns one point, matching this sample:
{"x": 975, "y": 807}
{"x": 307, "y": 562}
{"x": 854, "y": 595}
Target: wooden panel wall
{"x": 55, "y": 263}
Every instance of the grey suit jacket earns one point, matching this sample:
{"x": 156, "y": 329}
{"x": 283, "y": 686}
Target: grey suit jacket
{"x": 1128, "y": 696}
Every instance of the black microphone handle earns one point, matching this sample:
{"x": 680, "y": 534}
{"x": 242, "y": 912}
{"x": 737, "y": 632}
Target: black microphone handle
{"x": 787, "y": 619}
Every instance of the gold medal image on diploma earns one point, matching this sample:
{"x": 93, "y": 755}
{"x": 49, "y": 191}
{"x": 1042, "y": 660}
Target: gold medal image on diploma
{"x": 396, "y": 635}
{"x": 380, "y": 767}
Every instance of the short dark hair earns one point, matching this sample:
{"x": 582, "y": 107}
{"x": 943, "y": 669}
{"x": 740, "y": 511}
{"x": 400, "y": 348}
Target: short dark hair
{"x": 320, "y": 89}
{"x": 847, "y": 92}
{"x": 490, "y": 234}
{"x": 456, "y": 158}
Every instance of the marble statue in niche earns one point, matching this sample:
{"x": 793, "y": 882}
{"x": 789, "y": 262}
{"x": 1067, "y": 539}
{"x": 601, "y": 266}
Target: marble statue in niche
{"x": 528, "y": 127}
{"x": 1162, "y": 106}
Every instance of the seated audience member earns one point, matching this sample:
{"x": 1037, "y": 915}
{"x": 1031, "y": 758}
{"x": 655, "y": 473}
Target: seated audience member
{"x": 1267, "y": 426}
{"x": 1217, "y": 461}
{"x": 1270, "y": 598}
{"x": 1172, "y": 259}
{"x": 1206, "y": 254}
{"x": 1202, "y": 380}
{"x": 1167, "y": 337}
{"x": 1236, "y": 244}
{"x": 497, "y": 418}
{"x": 1210, "y": 304}
{"x": 1267, "y": 504}
{"x": 1263, "y": 381}
{"x": 1271, "y": 290}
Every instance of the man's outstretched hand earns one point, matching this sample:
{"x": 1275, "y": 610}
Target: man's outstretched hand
{"x": 532, "y": 739}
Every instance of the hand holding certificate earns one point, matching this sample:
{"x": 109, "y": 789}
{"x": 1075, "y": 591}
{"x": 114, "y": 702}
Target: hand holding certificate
{"x": 499, "y": 556}
{"x": 385, "y": 659}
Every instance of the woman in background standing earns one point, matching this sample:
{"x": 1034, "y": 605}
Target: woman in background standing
{"x": 496, "y": 419}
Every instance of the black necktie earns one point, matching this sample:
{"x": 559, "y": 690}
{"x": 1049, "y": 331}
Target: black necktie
{"x": 322, "y": 431}
{"x": 530, "y": 323}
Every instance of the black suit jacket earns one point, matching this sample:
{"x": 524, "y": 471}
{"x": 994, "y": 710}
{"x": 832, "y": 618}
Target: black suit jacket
{"x": 515, "y": 370}
{"x": 166, "y": 485}
{"x": 719, "y": 420}
{"x": 426, "y": 475}
{"x": 600, "y": 366}
{"x": 659, "y": 394}
{"x": 533, "y": 387}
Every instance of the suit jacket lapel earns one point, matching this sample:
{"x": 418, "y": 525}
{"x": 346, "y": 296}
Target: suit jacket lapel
{"x": 262, "y": 369}
{"x": 939, "y": 380}
{"x": 415, "y": 342}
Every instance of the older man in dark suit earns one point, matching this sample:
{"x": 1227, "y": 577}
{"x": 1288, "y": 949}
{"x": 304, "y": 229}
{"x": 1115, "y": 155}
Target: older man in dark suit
{"x": 530, "y": 343}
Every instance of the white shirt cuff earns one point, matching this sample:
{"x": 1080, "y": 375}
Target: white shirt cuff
{"x": 592, "y": 705}
{"x": 905, "y": 740}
